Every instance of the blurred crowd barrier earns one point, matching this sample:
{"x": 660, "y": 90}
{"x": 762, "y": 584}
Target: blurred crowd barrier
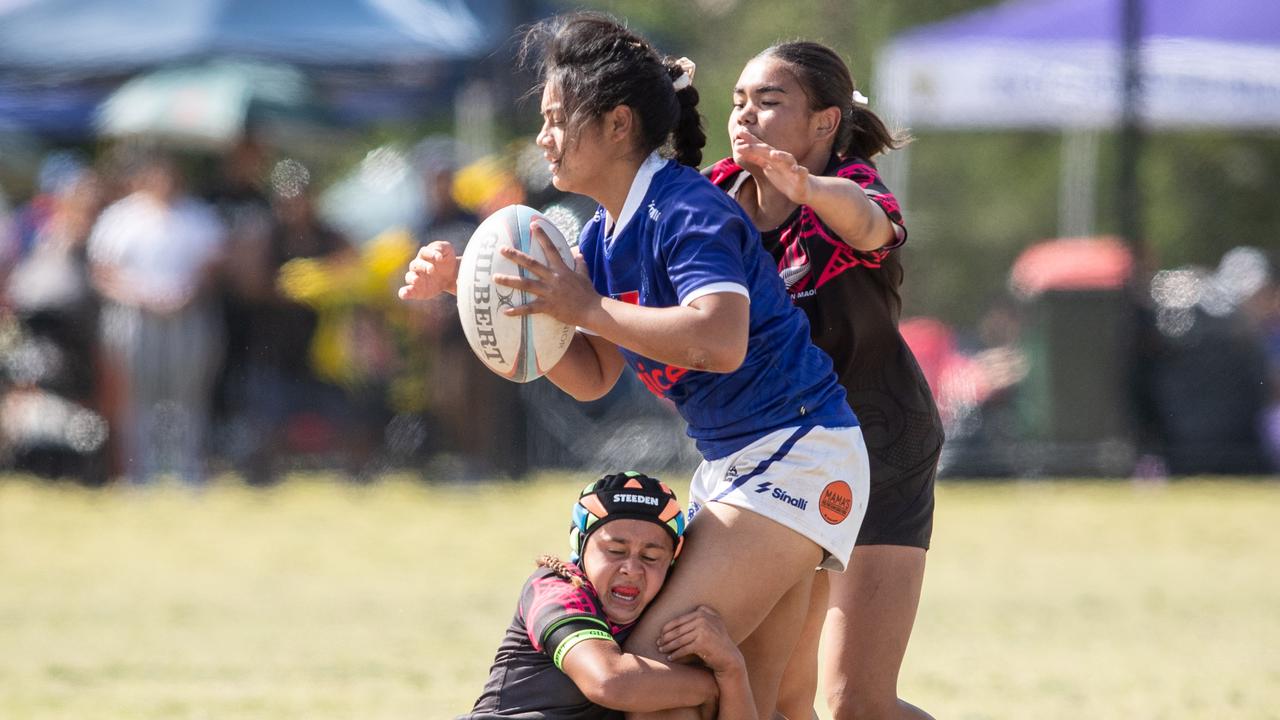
{"x": 1089, "y": 368}
{"x": 158, "y": 322}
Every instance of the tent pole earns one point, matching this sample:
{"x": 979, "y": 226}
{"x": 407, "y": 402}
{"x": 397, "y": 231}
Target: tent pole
{"x": 894, "y": 168}
{"x": 1129, "y": 189}
{"x": 1078, "y": 183}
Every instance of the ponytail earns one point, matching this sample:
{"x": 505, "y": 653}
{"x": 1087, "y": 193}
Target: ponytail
{"x": 561, "y": 569}
{"x": 864, "y": 135}
{"x": 688, "y": 137}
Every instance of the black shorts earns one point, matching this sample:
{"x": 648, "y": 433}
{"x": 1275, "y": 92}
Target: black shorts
{"x": 900, "y": 509}
{"x": 904, "y": 442}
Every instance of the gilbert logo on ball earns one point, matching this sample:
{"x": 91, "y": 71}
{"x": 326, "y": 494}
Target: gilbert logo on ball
{"x": 517, "y": 348}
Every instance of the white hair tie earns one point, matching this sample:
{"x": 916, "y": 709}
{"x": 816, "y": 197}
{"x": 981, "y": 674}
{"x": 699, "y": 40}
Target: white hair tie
{"x": 686, "y": 77}
{"x": 860, "y": 99}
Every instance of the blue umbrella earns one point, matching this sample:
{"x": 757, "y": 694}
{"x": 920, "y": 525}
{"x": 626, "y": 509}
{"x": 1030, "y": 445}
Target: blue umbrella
{"x": 88, "y": 37}
{"x": 208, "y": 105}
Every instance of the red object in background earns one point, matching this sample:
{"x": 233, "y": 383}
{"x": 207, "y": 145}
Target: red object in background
{"x": 957, "y": 380}
{"x": 1101, "y": 263}
{"x": 310, "y": 433}
{"x": 933, "y": 344}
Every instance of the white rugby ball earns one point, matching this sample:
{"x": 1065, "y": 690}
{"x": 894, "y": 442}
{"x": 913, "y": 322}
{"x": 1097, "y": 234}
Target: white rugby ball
{"x": 519, "y": 348}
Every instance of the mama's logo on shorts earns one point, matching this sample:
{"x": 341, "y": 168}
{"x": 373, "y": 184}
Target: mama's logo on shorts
{"x": 835, "y": 502}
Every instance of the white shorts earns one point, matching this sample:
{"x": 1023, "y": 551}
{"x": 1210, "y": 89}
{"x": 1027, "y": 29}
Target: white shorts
{"x": 814, "y": 480}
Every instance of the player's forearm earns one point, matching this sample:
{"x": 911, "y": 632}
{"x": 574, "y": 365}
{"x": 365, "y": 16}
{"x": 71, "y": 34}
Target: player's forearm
{"x": 684, "y": 336}
{"x": 587, "y": 371}
{"x": 736, "y": 701}
{"x": 845, "y": 208}
{"x": 638, "y": 684}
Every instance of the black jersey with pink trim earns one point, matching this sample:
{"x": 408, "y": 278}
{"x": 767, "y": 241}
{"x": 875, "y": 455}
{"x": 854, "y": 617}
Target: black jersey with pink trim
{"x": 526, "y": 680}
{"x": 852, "y": 300}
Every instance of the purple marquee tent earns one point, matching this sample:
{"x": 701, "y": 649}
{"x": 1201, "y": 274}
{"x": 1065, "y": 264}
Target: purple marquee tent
{"x": 1057, "y": 64}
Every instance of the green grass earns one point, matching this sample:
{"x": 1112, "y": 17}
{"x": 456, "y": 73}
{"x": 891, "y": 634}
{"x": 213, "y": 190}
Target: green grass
{"x": 318, "y": 600}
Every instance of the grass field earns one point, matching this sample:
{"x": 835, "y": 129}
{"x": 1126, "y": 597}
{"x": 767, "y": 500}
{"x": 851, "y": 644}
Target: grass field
{"x": 319, "y": 600}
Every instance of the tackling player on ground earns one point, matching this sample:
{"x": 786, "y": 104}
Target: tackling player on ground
{"x": 561, "y": 657}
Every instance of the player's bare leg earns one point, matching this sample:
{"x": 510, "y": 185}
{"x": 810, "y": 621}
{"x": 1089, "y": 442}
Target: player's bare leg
{"x": 799, "y": 687}
{"x": 774, "y": 644}
{"x": 742, "y": 565}
{"x": 872, "y": 609}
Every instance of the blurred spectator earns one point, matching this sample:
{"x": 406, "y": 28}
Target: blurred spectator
{"x": 58, "y": 173}
{"x": 238, "y": 192}
{"x": 974, "y": 389}
{"x": 962, "y": 382}
{"x": 444, "y": 218}
{"x": 276, "y": 403}
{"x": 52, "y": 275}
{"x": 50, "y": 288}
{"x": 1260, "y": 308}
{"x": 154, "y": 256}
{"x": 8, "y": 237}
{"x": 47, "y": 425}
{"x": 473, "y": 414}
{"x": 1209, "y": 376}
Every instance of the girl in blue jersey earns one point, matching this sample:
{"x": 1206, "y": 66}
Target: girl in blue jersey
{"x": 803, "y": 141}
{"x": 673, "y": 281}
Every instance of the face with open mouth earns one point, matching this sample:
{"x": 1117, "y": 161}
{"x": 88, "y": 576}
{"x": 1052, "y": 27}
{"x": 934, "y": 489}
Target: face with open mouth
{"x": 627, "y": 562}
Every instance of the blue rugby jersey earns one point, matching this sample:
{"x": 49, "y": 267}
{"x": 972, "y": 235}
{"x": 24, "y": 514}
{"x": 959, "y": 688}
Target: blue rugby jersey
{"x": 679, "y": 238}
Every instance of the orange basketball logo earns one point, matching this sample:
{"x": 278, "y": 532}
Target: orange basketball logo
{"x": 836, "y": 502}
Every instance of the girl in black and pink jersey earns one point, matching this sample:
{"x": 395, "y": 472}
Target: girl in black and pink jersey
{"x": 803, "y": 140}
{"x": 561, "y": 657}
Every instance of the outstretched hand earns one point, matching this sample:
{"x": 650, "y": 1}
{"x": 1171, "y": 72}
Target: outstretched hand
{"x": 780, "y": 167}
{"x": 433, "y": 271}
{"x": 561, "y": 291}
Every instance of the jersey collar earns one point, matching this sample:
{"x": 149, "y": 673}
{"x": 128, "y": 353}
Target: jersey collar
{"x": 639, "y": 188}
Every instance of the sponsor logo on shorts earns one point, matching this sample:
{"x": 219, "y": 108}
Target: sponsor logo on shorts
{"x": 782, "y": 495}
{"x": 835, "y": 502}
{"x": 693, "y": 510}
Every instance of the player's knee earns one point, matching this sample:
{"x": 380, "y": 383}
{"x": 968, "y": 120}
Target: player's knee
{"x": 792, "y": 710}
{"x": 849, "y": 705}
{"x": 795, "y": 700}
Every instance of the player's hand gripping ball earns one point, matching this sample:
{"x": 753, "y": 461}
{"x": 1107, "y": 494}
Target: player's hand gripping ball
{"x": 520, "y": 348}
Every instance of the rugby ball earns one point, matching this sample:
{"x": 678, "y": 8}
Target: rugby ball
{"x": 519, "y": 348}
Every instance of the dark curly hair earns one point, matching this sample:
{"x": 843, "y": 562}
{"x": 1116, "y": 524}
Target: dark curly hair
{"x": 597, "y": 64}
